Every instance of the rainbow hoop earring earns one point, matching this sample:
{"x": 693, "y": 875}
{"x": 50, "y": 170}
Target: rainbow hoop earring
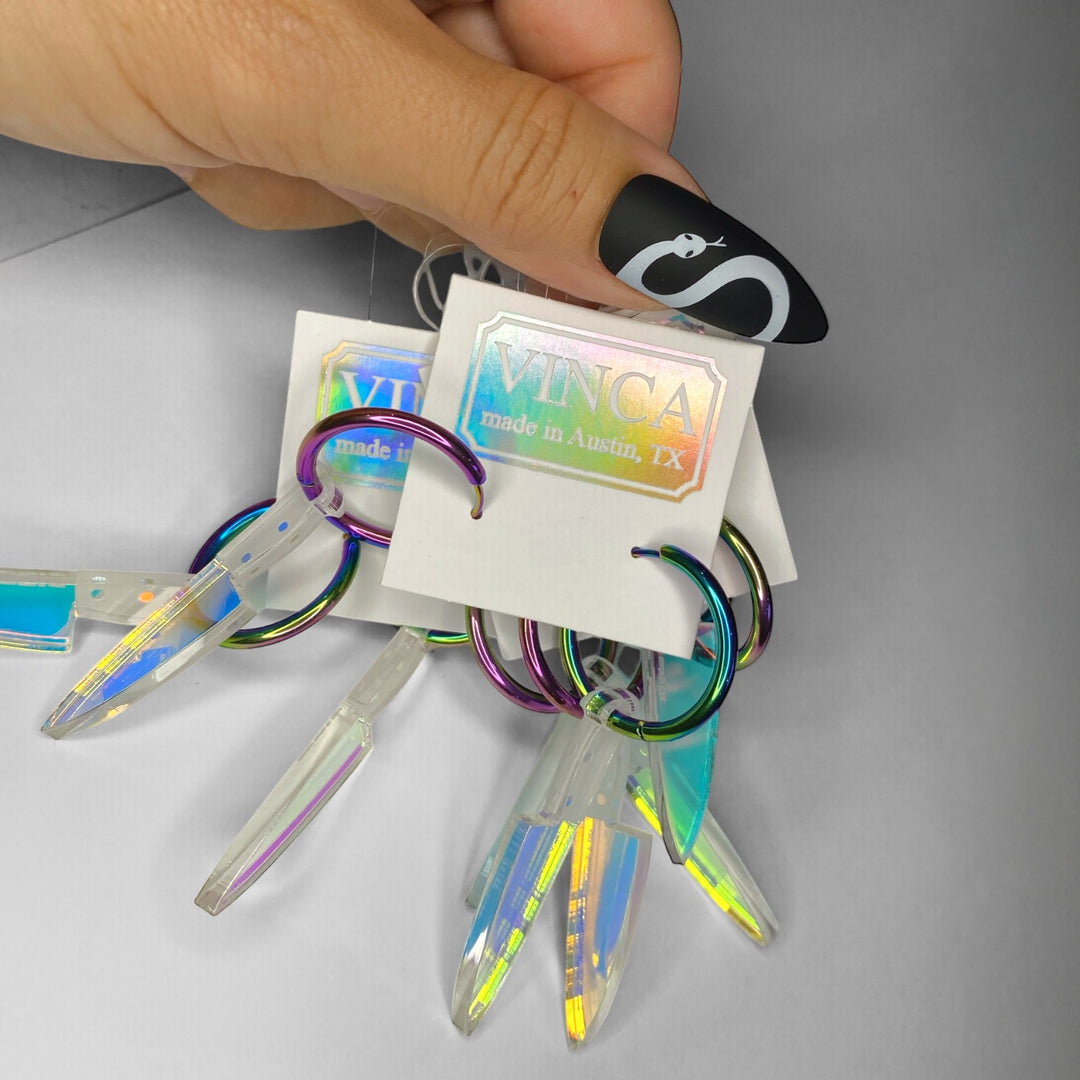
{"x": 304, "y": 618}
{"x": 602, "y": 702}
{"x": 761, "y": 608}
{"x": 395, "y": 420}
{"x": 498, "y": 676}
{"x": 408, "y": 424}
{"x": 757, "y": 636}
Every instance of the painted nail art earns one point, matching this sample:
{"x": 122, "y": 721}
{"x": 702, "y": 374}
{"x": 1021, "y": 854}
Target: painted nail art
{"x": 679, "y": 249}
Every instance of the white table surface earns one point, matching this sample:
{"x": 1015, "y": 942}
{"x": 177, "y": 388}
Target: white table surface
{"x": 899, "y": 772}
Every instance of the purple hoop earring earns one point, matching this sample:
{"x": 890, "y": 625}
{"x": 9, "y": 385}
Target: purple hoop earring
{"x": 540, "y": 672}
{"x": 499, "y": 677}
{"x": 395, "y": 420}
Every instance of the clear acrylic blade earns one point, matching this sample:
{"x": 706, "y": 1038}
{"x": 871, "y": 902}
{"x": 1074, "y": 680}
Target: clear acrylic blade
{"x": 568, "y": 779}
{"x": 272, "y": 536}
{"x": 583, "y": 774}
{"x": 524, "y": 872}
{"x": 530, "y": 799}
{"x": 607, "y": 882}
{"x": 592, "y": 780}
{"x": 326, "y": 763}
{"x": 37, "y": 609}
{"x": 565, "y": 747}
{"x": 197, "y": 619}
{"x": 714, "y": 864}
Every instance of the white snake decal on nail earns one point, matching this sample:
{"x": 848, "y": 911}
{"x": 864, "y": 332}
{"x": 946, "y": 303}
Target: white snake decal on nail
{"x": 686, "y": 246}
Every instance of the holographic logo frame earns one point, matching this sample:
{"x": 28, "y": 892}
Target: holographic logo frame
{"x": 591, "y": 406}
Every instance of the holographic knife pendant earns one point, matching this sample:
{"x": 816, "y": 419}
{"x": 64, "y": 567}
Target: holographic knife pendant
{"x": 38, "y": 608}
{"x": 217, "y": 601}
{"x": 326, "y": 763}
{"x": 711, "y": 859}
{"x": 712, "y": 862}
{"x": 670, "y": 783}
{"x": 571, "y": 801}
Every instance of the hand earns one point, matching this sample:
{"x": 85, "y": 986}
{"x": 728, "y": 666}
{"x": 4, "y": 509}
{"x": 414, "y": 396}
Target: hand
{"x": 514, "y": 123}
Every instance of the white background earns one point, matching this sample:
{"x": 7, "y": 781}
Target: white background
{"x": 899, "y": 771}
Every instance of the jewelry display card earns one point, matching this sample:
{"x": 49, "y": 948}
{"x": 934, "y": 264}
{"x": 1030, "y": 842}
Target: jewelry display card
{"x": 599, "y": 434}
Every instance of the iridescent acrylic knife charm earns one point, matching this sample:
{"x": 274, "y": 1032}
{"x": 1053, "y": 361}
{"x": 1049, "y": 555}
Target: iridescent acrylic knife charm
{"x": 344, "y": 741}
{"x": 712, "y": 861}
{"x": 573, "y": 796}
{"x": 39, "y": 608}
{"x": 200, "y": 616}
{"x": 582, "y": 773}
{"x": 682, "y": 770}
{"x": 571, "y": 801}
{"x": 670, "y": 781}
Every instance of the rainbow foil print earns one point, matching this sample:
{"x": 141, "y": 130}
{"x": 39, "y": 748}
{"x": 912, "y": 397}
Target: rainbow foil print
{"x": 591, "y": 406}
{"x": 356, "y": 376}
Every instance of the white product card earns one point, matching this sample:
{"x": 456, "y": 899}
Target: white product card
{"x": 599, "y": 434}
{"x": 337, "y": 364}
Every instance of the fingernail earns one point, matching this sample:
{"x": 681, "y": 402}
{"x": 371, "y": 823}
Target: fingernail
{"x": 185, "y": 172}
{"x": 686, "y": 253}
{"x": 368, "y": 204}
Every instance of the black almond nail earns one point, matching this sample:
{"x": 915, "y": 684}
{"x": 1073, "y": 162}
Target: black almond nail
{"x": 664, "y": 241}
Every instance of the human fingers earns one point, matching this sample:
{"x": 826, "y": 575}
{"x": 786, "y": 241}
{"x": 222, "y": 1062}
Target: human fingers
{"x": 264, "y": 199}
{"x": 546, "y": 181}
{"x": 373, "y": 97}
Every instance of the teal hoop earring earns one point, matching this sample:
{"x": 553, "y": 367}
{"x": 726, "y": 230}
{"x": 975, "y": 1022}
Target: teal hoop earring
{"x": 602, "y": 704}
